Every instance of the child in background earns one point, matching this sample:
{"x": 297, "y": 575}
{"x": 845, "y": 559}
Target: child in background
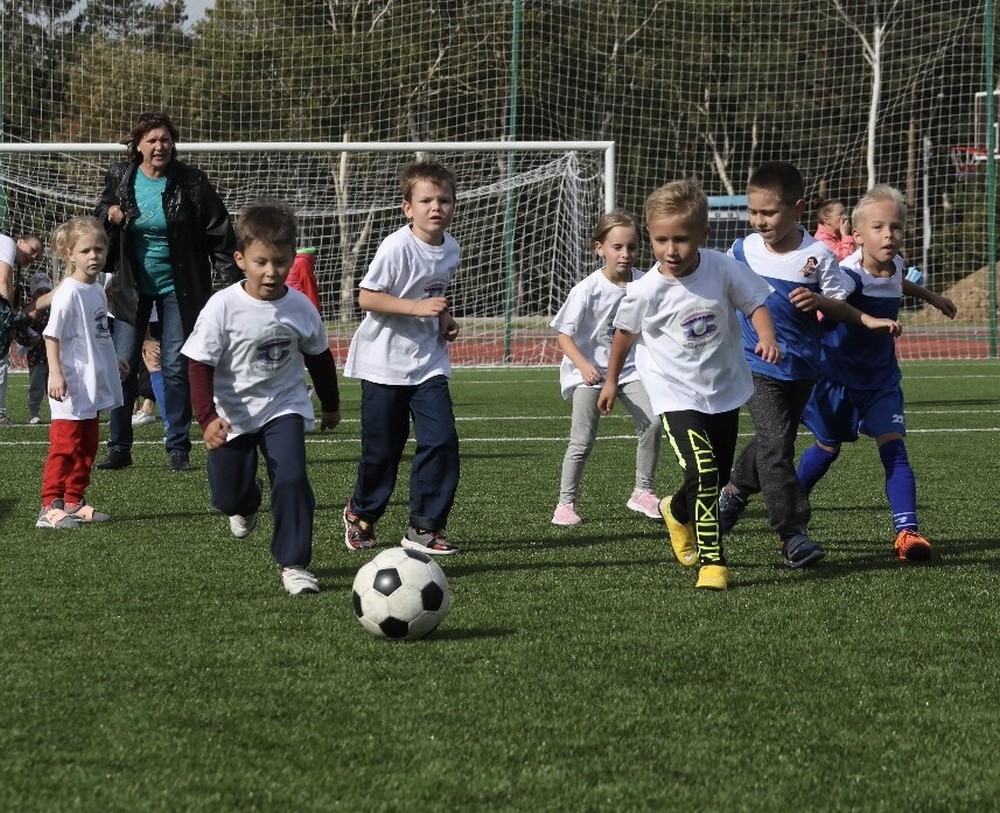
{"x": 400, "y": 353}
{"x": 248, "y": 355}
{"x": 586, "y": 327}
{"x": 683, "y": 311}
{"x": 30, "y": 335}
{"x": 790, "y": 260}
{"x": 84, "y": 374}
{"x": 302, "y": 277}
{"x": 859, "y": 388}
{"x": 834, "y": 228}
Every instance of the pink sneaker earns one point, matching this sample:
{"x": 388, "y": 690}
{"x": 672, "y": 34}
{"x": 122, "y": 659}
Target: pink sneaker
{"x": 645, "y": 502}
{"x": 565, "y": 514}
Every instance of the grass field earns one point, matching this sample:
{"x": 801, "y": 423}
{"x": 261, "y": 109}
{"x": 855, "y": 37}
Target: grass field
{"x": 156, "y": 664}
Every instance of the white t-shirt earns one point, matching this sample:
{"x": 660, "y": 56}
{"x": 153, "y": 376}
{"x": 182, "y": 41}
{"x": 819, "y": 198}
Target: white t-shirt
{"x": 404, "y": 350}
{"x": 256, "y": 348}
{"x": 8, "y": 250}
{"x": 78, "y": 318}
{"x": 587, "y": 316}
{"x": 694, "y": 348}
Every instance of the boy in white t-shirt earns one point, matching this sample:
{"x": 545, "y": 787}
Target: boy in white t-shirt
{"x": 683, "y": 315}
{"x": 400, "y": 353}
{"x": 248, "y": 356}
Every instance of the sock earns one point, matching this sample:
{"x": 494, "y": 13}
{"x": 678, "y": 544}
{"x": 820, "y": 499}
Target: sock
{"x": 900, "y": 484}
{"x": 156, "y": 382}
{"x": 815, "y": 462}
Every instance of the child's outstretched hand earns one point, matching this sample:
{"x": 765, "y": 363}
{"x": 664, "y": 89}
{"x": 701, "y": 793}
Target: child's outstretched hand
{"x": 943, "y": 304}
{"x": 606, "y": 400}
{"x": 803, "y": 299}
{"x": 890, "y": 326}
{"x": 215, "y": 433}
{"x": 449, "y": 327}
{"x": 329, "y": 420}
{"x": 123, "y": 369}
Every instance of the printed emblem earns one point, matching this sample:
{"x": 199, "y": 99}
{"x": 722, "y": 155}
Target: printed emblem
{"x": 273, "y": 350}
{"x": 810, "y": 267}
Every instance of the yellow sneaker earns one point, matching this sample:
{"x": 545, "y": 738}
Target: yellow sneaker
{"x": 681, "y": 536}
{"x": 713, "y": 577}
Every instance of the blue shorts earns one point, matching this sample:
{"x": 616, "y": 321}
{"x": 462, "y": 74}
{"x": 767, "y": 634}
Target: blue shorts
{"x": 835, "y": 413}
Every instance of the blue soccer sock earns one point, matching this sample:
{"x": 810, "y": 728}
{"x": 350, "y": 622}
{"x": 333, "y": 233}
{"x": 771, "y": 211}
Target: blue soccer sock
{"x": 815, "y": 462}
{"x": 156, "y": 384}
{"x": 900, "y": 484}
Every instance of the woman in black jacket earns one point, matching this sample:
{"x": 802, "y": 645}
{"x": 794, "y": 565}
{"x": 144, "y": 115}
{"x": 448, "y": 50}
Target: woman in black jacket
{"x": 168, "y": 228}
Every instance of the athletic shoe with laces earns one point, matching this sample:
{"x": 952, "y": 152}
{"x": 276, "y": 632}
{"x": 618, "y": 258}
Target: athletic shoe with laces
{"x": 565, "y": 514}
{"x": 5, "y": 421}
{"x": 731, "y": 507}
{"x": 55, "y": 517}
{"x": 142, "y": 418}
{"x": 713, "y": 577}
{"x": 911, "y": 546}
{"x": 682, "y": 538}
{"x": 800, "y": 550}
{"x": 82, "y": 512}
{"x": 298, "y": 580}
{"x": 178, "y": 461}
{"x": 359, "y": 534}
{"x": 34, "y": 420}
{"x": 645, "y": 502}
{"x": 241, "y": 526}
{"x": 433, "y": 542}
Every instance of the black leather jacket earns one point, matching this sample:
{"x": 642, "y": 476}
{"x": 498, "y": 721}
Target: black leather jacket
{"x": 199, "y": 235}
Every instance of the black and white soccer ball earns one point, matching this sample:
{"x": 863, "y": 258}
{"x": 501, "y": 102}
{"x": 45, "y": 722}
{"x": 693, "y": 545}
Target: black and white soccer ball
{"x": 401, "y": 595}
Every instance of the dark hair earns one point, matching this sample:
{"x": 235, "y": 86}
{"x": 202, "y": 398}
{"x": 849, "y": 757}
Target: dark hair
{"x": 149, "y": 121}
{"x": 432, "y": 171}
{"x": 267, "y": 220}
{"x": 781, "y": 178}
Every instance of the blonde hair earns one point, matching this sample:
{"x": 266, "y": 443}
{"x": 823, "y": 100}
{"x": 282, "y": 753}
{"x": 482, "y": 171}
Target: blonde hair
{"x": 878, "y": 193}
{"x": 683, "y": 198}
{"x": 612, "y": 220}
{"x": 66, "y": 235}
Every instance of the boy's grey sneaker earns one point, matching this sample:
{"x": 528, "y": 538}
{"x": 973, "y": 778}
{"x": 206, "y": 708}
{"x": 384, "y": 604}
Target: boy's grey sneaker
{"x": 55, "y": 517}
{"x": 433, "y": 542}
{"x": 82, "y": 512}
{"x": 298, "y": 580}
{"x": 731, "y": 507}
{"x": 800, "y": 550}
{"x": 241, "y": 526}
{"x": 5, "y": 421}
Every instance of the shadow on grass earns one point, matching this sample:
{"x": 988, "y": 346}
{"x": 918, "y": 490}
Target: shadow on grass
{"x": 469, "y": 634}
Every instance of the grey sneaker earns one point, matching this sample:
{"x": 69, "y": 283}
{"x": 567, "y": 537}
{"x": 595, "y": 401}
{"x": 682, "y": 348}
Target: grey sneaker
{"x": 731, "y": 507}
{"x": 82, "y": 512}
{"x": 433, "y": 542}
{"x": 56, "y": 518}
{"x": 5, "y": 421}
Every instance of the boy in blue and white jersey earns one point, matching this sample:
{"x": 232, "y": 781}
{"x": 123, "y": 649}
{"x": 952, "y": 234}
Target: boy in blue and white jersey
{"x": 794, "y": 264}
{"x": 859, "y": 388}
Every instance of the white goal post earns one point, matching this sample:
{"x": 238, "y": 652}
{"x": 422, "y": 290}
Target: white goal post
{"x": 525, "y": 212}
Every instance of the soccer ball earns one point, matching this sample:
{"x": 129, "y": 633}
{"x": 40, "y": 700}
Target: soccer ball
{"x": 401, "y": 595}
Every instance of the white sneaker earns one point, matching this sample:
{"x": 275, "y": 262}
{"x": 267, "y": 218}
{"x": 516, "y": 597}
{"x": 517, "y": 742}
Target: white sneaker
{"x": 298, "y": 580}
{"x": 645, "y": 502}
{"x": 34, "y": 420}
{"x": 142, "y": 418}
{"x": 241, "y": 526}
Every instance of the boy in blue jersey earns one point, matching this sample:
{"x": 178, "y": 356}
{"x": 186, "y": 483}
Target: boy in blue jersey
{"x": 795, "y": 264}
{"x": 859, "y": 386}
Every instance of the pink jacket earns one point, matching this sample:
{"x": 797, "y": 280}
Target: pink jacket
{"x": 841, "y": 246}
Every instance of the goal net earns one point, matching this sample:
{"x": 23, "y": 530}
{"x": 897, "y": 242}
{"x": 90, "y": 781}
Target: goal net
{"x": 854, "y": 92}
{"x": 524, "y": 213}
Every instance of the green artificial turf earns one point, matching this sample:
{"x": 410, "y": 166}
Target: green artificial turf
{"x": 155, "y": 663}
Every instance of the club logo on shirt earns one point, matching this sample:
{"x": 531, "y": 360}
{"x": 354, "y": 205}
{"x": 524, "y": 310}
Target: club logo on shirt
{"x": 434, "y": 288}
{"x": 699, "y": 327}
{"x": 101, "y": 324}
{"x": 273, "y": 350}
{"x": 810, "y": 267}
